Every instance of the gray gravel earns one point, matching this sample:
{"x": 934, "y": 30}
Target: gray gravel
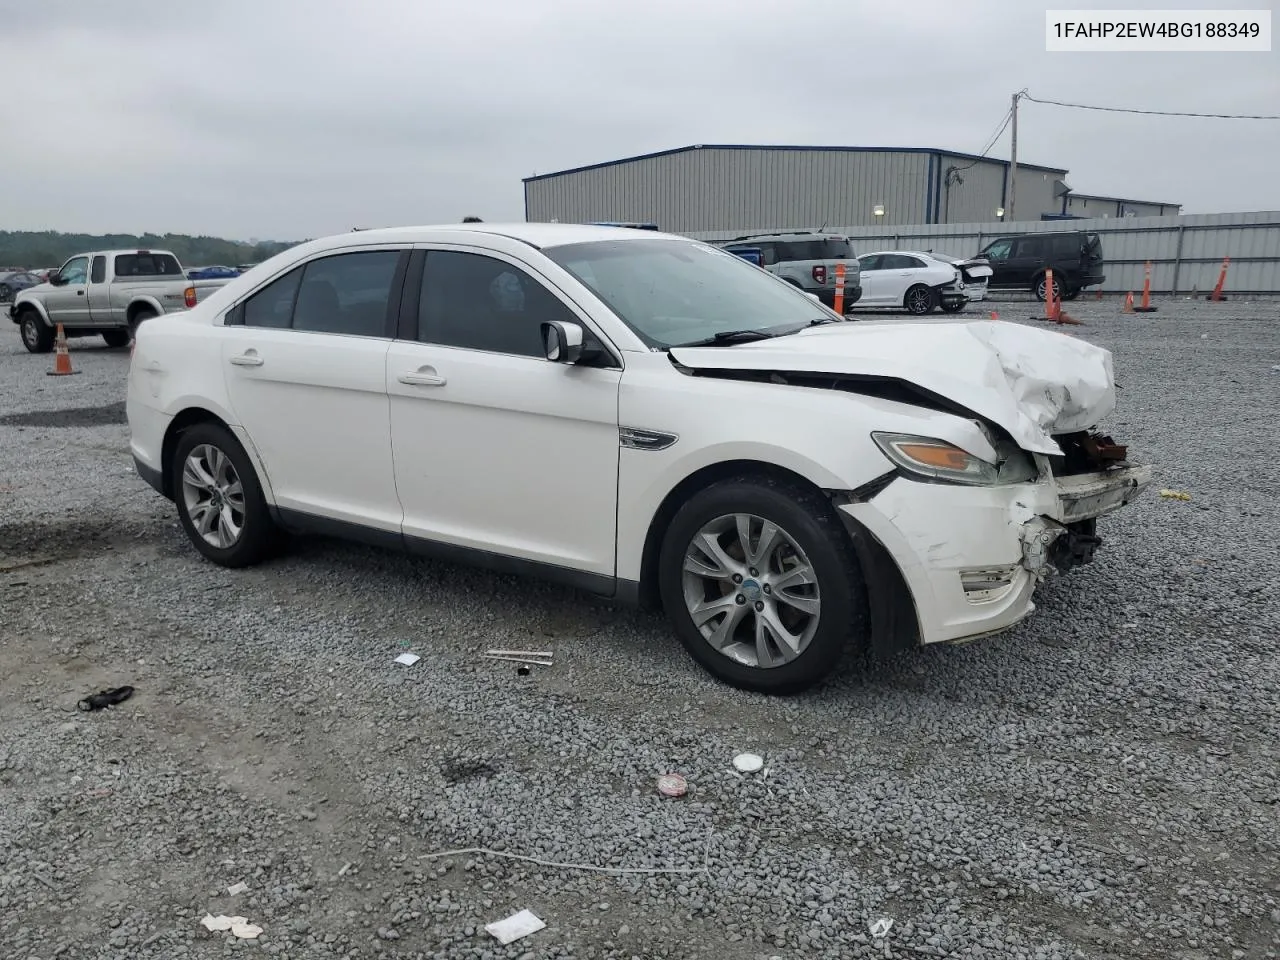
{"x": 1101, "y": 782}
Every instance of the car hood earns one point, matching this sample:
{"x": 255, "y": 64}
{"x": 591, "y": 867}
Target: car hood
{"x": 1033, "y": 383}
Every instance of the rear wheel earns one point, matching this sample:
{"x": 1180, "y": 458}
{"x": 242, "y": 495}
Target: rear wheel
{"x": 919, "y": 300}
{"x": 1042, "y": 287}
{"x": 138, "y": 319}
{"x": 219, "y": 499}
{"x": 761, "y": 585}
{"x": 116, "y": 338}
{"x": 37, "y": 337}
{"x": 952, "y": 307}
{"x": 1070, "y": 293}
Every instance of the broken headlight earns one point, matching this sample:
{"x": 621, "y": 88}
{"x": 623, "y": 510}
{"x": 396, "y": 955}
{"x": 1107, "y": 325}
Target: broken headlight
{"x": 937, "y": 460}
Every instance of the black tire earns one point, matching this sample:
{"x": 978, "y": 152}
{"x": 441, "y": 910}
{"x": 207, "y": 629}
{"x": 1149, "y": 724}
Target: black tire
{"x": 37, "y": 337}
{"x": 258, "y": 534}
{"x": 138, "y": 318}
{"x": 1039, "y": 287}
{"x": 809, "y": 520}
{"x": 117, "y": 338}
{"x": 920, "y": 300}
{"x": 953, "y": 307}
{"x": 1070, "y": 293}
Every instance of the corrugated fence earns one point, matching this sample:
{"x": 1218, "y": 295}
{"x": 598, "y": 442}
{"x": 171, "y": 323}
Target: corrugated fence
{"x": 1185, "y": 252}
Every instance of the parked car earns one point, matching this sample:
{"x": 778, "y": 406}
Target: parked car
{"x": 107, "y": 293}
{"x": 11, "y": 283}
{"x": 808, "y": 261}
{"x": 1021, "y": 262}
{"x": 911, "y": 281}
{"x": 975, "y": 272}
{"x": 685, "y": 431}
{"x": 212, "y": 273}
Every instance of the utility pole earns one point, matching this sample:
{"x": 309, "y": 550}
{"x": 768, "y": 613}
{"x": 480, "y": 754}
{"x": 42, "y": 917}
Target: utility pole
{"x": 1013, "y": 162}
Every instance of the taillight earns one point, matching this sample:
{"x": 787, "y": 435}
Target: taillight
{"x": 189, "y": 296}
{"x": 819, "y": 274}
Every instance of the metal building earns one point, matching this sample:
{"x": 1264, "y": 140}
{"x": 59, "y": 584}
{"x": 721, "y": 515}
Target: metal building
{"x": 734, "y": 187}
{"x": 1089, "y": 206}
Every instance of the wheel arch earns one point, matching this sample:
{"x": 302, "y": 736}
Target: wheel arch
{"x": 184, "y": 420}
{"x": 894, "y": 624}
{"x": 141, "y": 305}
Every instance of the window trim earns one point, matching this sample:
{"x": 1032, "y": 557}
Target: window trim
{"x": 97, "y": 260}
{"x": 875, "y": 258}
{"x": 411, "y": 304}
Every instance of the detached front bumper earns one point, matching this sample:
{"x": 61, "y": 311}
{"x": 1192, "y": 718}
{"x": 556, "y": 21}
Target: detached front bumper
{"x": 973, "y": 556}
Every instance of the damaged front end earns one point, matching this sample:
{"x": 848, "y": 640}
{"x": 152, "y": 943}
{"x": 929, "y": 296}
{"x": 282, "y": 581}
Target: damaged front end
{"x": 1092, "y": 477}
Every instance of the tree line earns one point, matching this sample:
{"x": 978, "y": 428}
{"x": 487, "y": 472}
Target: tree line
{"x": 50, "y": 249}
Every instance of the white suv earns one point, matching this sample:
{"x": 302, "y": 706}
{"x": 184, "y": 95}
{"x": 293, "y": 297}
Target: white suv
{"x": 642, "y": 416}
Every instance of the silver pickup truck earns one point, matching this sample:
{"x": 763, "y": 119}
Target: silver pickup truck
{"x": 107, "y": 294}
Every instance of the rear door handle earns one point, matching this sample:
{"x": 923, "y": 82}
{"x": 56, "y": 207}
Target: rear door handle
{"x": 422, "y": 380}
{"x": 247, "y": 360}
{"x": 422, "y": 377}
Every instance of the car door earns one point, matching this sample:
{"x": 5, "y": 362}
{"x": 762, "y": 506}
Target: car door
{"x": 872, "y": 280}
{"x": 67, "y": 303}
{"x": 498, "y": 449}
{"x": 997, "y": 254}
{"x": 99, "y": 292}
{"x": 304, "y": 359}
{"x": 1026, "y": 260}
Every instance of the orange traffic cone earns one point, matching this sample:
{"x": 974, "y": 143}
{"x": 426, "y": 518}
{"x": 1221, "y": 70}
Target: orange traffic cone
{"x": 1099, "y": 297}
{"x": 62, "y": 359}
{"x": 1146, "y": 292}
{"x": 1052, "y": 305}
{"x": 1128, "y": 303}
{"x": 994, "y": 315}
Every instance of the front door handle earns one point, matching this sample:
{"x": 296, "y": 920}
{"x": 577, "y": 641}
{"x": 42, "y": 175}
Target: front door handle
{"x": 423, "y": 377}
{"x": 79, "y": 293}
{"x": 247, "y": 360}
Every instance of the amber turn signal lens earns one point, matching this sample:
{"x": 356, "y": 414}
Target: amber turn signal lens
{"x": 943, "y": 458}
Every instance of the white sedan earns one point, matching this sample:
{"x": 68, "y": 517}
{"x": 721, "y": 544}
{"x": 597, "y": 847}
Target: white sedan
{"x": 911, "y": 281}
{"x": 642, "y": 416}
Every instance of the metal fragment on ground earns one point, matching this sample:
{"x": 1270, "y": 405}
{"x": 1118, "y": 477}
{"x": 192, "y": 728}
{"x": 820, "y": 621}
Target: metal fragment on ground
{"x": 237, "y": 888}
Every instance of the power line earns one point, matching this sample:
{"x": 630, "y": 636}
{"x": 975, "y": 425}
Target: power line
{"x": 1155, "y": 113}
{"x": 1008, "y": 115}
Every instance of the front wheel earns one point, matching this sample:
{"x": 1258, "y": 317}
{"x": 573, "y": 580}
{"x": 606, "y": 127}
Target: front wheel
{"x": 919, "y": 300}
{"x": 761, "y": 584}
{"x": 36, "y": 336}
{"x": 220, "y": 501}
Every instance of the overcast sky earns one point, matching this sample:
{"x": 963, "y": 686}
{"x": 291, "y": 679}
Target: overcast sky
{"x": 285, "y": 119}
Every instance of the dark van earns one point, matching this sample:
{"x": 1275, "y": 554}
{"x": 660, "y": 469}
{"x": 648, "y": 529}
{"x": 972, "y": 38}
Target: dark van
{"x": 1019, "y": 263}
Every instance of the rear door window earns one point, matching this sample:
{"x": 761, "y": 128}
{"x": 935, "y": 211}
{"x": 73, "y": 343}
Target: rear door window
{"x": 869, "y": 262}
{"x": 347, "y": 294}
{"x": 1028, "y": 248}
{"x": 272, "y": 306}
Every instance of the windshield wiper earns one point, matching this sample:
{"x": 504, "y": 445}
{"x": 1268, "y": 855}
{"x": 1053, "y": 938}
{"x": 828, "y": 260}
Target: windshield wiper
{"x": 730, "y": 336}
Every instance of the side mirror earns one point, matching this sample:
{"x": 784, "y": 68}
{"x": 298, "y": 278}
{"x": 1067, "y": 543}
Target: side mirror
{"x": 55, "y": 280}
{"x": 562, "y": 342}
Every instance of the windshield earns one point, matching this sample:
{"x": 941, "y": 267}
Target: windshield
{"x": 673, "y": 292}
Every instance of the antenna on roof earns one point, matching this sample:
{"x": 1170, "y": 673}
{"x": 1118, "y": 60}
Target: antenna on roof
{"x": 823, "y": 228}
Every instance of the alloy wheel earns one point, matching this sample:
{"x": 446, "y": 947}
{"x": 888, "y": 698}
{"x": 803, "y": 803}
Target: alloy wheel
{"x": 751, "y": 591}
{"x": 213, "y": 496}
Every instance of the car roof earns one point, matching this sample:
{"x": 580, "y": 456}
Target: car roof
{"x": 540, "y": 235}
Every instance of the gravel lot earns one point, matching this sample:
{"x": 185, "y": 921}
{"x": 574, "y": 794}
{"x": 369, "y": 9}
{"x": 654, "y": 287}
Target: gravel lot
{"x": 1101, "y": 782}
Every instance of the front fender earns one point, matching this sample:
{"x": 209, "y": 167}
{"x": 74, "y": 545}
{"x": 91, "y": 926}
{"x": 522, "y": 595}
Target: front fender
{"x": 21, "y": 302}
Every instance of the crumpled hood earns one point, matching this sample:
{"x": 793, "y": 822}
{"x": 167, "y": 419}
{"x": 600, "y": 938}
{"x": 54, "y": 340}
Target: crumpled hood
{"x": 1033, "y": 383}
